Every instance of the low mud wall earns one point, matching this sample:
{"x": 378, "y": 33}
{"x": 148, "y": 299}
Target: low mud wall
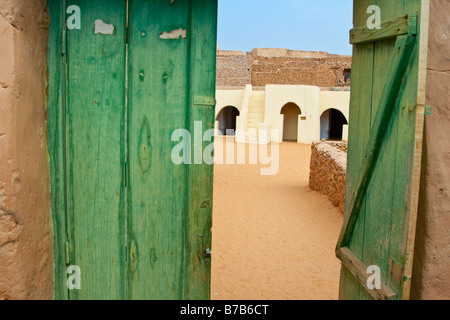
{"x": 328, "y": 171}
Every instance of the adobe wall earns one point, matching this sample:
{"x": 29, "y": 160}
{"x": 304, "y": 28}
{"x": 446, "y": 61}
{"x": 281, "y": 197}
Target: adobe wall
{"x": 26, "y": 249}
{"x": 431, "y": 273}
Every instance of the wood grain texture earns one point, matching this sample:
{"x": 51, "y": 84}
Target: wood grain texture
{"x": 359, "y": 271}
{"x": 382, "y": 121}
{"x": 157, "y": 188}
{"x": 203, "y": 19}
{"x": 360, "y": 102}
{"x": 95, "y": 149}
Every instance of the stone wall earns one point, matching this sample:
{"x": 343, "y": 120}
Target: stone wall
{"x": 26, "y": 241}
{"x": 261, "y": 67}
{"x": 328, "y": 171}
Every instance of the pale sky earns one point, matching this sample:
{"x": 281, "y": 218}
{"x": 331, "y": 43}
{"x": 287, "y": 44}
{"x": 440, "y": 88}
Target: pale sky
{"x": 320, "y": 25}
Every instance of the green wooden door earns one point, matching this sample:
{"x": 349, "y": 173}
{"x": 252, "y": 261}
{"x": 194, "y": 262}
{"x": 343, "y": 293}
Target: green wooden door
{"x": 385, "y": 146}
{"x": 123, "y": 76}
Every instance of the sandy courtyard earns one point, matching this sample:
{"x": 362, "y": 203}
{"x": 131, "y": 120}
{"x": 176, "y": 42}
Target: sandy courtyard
{"x": 273, "y": 237}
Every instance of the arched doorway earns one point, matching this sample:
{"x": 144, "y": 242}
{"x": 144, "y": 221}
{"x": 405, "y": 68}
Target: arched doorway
{"x": 291, "y": 111}
{"x": 331, "y": 125}
{"x": 227, "y": 120}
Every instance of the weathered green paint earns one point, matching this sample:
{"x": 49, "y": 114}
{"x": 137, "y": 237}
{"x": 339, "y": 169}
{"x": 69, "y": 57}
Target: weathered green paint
{"x": 95, "y": 150}
{"x": 377, "y": 229}
{"x": 202, "y": 64}
{"x": 157, "y": 189}
{"x": 136, "y": 224}
{"x": 56, "y": 99}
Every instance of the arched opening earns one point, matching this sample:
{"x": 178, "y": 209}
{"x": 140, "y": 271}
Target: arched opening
{"x": 227, "y": 120}
{"x": 332, "y": 122}
{"x": 291, "y": 111}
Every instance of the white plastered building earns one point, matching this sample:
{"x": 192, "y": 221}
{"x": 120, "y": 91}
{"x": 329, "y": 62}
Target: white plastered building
{"x": 290, "y": 112}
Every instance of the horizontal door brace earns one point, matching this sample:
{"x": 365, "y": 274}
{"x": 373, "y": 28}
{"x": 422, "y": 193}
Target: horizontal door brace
{"x": 359, "y": 271}
{"x": 390, "y": 28}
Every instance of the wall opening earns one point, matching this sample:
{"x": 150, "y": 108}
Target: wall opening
{"x": 227, "y": 120}
{"x": 291, "y": 111}
{"x": 332, "y": 122}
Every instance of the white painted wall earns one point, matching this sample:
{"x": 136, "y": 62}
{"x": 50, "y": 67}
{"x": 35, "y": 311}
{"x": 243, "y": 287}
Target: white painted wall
{"x": 306, "y": 97}
{"x": 339, "y": 100}
{"x": 225, "y": 98}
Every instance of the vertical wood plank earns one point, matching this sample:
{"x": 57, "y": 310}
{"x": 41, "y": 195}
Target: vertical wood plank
{"x": 95, "y": 149}
{"x": 203, "y": 33}
{"x": 379, "y": 199}
{"x": 361, "y": 101}
{"x": 157, "y": 188}
{"x": 409, "y": 141}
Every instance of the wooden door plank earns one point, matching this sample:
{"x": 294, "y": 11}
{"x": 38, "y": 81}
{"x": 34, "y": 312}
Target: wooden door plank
{"x": 157, "y": 188}
{"x": 360, "y": 104}
{"x": 203, "y": 34}
{"x": 412, "y": 117}
{"x": 95, "y": 149}
{"x": 379, "y": 199}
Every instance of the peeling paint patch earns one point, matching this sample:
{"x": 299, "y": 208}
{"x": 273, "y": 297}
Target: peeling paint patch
{"x": 103, "y": 28}
{"x": 175, "y": 34}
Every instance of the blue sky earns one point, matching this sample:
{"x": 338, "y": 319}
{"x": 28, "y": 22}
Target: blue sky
{"x": 317, "y": 25}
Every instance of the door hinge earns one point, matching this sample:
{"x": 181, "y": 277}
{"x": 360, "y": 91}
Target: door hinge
{"x": 204, "y": 101}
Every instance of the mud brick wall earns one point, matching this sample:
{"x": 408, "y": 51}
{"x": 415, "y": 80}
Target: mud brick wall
{"x": 233, "y": 69}
{"x": 322, "y": 72}
{"x": 328, "y": 171}
{"x": 261, "y": 67}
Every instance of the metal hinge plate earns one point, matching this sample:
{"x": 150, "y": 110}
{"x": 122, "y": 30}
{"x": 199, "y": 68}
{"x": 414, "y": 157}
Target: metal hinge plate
{"x": 204, "y": 101}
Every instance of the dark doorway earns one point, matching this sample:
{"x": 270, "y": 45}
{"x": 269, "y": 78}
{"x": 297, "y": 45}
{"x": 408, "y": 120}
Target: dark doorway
{"x": 227, "y": 120}
{"x": 332, "y": 122}
{"x": 291, "y": 111}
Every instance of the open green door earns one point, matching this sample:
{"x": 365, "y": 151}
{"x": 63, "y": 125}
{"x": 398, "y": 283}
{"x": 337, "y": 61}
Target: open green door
{"x": 123, "y": 76}
{"x": 385, "y": 148}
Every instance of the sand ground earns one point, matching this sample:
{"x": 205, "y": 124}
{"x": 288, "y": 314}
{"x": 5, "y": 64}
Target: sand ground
{"x": 273, "y": 237}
